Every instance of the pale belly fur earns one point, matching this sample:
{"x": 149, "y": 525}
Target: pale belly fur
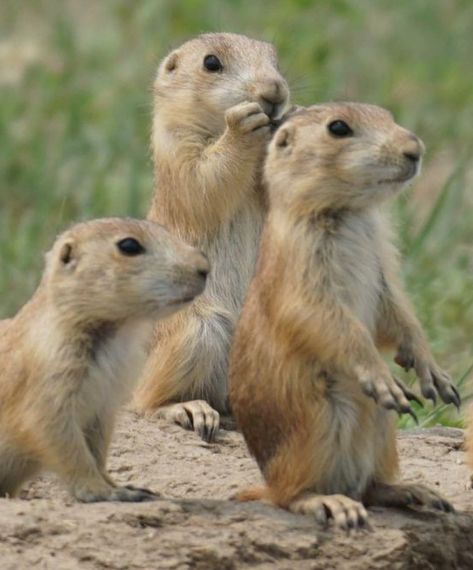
{"x": 233, "y": 256}
{"x": 357, "y": 427}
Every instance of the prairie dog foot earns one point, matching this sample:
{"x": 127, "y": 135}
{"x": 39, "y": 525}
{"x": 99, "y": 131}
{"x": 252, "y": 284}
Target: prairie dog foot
{"x": 120, "y": 494}
{"x": 195, "y": 415}
{"x": 343, "y": 512}
{"x": 406, "y": 496}
{"x": 130, "y": 494}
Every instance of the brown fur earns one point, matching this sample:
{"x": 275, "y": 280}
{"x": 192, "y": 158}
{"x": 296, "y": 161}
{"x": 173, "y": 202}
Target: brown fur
{"x": 69, "y": 356}
{"x": 325, "y": 294}
{"x": 210, "y": 132}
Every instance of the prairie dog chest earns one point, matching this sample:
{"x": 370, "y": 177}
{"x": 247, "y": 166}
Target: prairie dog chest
{"x": 233, "y": 253}
{"x": 357, "y": 265}
{"x": 115, "y": 363}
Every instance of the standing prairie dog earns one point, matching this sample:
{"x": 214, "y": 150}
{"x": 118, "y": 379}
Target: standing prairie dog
{"x": 308, "y": 386}
{"x": 68, "y": 357}
{"x": 215, "y": 97}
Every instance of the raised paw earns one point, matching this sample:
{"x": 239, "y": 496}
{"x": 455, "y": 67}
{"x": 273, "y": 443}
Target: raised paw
{"x": 386, "y": 390}
{"x": 433, "y": 380}
{"x": 338, "y": 510}
{"x": 195, "y": 415}
{"x": 248, "y": 118}
{"x": 406, "y": 496}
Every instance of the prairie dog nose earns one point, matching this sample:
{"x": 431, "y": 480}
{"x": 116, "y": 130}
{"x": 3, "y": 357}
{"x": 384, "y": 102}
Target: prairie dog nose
{"x": 270, "y": 94}
{"x": 202, "y": 265}
{"x": 413, "y": 149}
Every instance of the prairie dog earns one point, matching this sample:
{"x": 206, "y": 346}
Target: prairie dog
{"x": 215, "y": 97}
{"x": 69, "y": 355}
{"x": 305, "y": 371}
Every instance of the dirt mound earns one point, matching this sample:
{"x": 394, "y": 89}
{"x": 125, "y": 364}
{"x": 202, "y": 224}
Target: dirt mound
{"x": 196, "y": 526}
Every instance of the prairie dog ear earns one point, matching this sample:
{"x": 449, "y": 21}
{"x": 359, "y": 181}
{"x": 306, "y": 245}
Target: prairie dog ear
{"x": 68, "y": 255}
{"x": 170, "y": 63}
{"x": 284, "y": 136}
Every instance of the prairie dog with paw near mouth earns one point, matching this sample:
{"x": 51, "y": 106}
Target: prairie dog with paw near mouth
{"x": 215, "y": 97}
{"x": 308, "y": 386}
{"x": 68, "y": 358}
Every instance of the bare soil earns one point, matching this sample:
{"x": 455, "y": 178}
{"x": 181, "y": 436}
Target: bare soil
{"x": 195, "y": 525}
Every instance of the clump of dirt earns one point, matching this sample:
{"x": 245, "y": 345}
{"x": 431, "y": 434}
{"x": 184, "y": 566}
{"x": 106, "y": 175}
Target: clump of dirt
{"x": 195, "y": 525}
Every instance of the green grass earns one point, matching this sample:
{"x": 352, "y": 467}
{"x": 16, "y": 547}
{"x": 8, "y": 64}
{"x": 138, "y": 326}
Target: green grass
{"x": 75, "y": 109}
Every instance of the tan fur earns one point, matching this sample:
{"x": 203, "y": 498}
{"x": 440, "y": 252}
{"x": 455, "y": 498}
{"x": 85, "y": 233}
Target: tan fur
{"x": 469, "y": 445}
{"x": 209, "y": 137}
{"x": 325, "y": 293}
{"x": 69, "y": 356}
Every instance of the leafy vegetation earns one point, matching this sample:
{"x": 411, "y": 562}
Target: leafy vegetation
{"x": 75, "y": 113}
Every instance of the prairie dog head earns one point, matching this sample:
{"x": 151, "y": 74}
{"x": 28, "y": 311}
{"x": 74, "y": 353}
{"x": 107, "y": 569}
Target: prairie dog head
{"x": 341, "y": 155}
{"x": 117, "y": 269}
{"x": 209, "y": 74}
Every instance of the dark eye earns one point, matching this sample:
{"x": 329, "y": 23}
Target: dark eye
{"x": 212, "y": 63}
{"x": 339, "y": 129}
{"x": 130, "y": 246}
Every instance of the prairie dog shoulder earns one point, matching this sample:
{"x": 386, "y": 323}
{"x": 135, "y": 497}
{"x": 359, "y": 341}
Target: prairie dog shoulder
{"x": 69, "y": 357}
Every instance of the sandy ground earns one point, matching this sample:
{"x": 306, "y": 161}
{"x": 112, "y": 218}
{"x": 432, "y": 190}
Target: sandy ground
{"x": 195, "y": 525}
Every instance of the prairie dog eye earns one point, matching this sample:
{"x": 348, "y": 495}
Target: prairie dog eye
{"x": 212, "y": 63}
{"x": 130, "y": 246}
{"x": 339, "y": 129}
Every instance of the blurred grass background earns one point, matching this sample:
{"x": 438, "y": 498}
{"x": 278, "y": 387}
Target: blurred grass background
{"x": 75, "y": 115}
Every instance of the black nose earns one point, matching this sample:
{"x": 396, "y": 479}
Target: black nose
{"x": 412, "y": 156}
{"x": 203, "y": 268}
{"x": 270, "y": 107}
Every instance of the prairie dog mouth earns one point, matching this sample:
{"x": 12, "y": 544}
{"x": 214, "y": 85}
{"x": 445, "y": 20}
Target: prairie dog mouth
{"x": 404, "y": 177}
{"x": 188, "y": 296}
{"x": 183, "y": 300}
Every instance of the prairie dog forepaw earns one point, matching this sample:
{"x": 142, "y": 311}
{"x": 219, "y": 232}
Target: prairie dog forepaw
{"x": 195, "y": 415}
{"x": 433, "y": 380}
{"x": 387, "y": 390}
{"x": 341, "y": 511}
{"x": 248, "y": 119}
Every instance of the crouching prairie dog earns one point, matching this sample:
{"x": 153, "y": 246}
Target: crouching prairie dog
{"x": 308, "y": 386}
{"x": 215, "y": 98}
{"x": 69, "y": 355}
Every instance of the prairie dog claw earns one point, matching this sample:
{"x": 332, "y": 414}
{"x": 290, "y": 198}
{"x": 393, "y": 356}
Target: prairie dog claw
{"x": 344, "y": 513}
{"x": 196, "y": 415}
{"x": 386, "y": 390}
{"x": 433, "y": 380}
